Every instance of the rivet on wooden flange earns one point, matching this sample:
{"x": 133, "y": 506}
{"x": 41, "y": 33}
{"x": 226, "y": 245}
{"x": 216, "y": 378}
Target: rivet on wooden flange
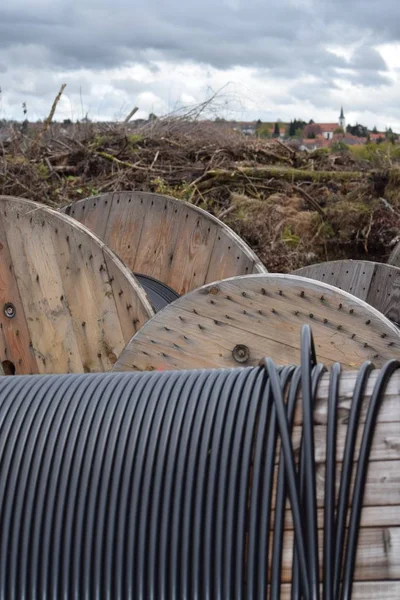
{"x": 9, "y": 310}
{"x": 241, "y": 353}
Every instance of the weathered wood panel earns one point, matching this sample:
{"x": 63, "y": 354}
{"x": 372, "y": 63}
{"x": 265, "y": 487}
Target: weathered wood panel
{"x": 394, "y": 258}
{"x": 376, "y": 283}
{"x": 264, "y": 313}
{"x": 61, "y": 281}
{"x": 368, "y": 590}
{"x": 378, "y": 555}
{"x": 171, "y": 240}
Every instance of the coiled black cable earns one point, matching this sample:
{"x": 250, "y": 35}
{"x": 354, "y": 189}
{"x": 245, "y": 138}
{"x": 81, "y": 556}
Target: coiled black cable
{"x": 158, "y": 293}
{"x": 164, "y": 485}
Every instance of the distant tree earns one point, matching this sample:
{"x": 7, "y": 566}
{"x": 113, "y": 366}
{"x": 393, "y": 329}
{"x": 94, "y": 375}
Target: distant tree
{"x": 295, "y": 127}
{"x": 217, "y": 119}
{"x": 339, "y": 131}
{"x": 374, "y": 129}
{"x": 311, "y": 122}
{"x": 357, "y": 130}
{"x": 390, "y": 136}
{"x": 67, "y": 122}
{"x": 153, "y": 117}
{"x": 276, "y": 131}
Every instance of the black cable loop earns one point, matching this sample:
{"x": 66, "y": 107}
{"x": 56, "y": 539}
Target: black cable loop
{"x": 330, "y": 485}
{"x": 164, "y": 485}
{"x": 347, "y": 469}
{"x": 362, "y": 466}
{"x": 317, "y": 371}
{"x": 280, "y": 504}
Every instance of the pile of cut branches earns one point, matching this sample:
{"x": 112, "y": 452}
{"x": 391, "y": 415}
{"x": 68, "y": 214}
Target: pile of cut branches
{"x": 292, "y": 207}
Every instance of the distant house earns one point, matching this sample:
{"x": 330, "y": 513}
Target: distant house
{"x": 326, "y": 129}
{"x": 374, "y": 137}
{"x": 245, "y": 127}
{"x": 311, "y": 144}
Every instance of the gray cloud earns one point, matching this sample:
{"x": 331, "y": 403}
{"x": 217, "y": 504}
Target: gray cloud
{"x": 98, "y": 34}
{"x": 281, "y": 39}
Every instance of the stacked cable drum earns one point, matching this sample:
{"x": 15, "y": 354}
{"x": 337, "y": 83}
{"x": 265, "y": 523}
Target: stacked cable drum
{"x": 202, "y": 484}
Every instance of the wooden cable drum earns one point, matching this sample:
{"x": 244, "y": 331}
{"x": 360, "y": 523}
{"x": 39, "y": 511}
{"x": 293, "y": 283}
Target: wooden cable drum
{"x": 394, "y": 258}
{"x": 242, "y": 319}
{"x": 68, "y": 304}
{"x": 173, "y": 241}
{"x": 375, "y": 283}
{"x": 200, "y": 455}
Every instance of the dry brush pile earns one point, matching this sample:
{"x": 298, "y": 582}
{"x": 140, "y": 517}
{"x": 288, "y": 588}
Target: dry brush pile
{"x": 292, "y": 207}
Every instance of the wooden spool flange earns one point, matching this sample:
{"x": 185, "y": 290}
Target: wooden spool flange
{"x": 242, "y": 319}
{"x": 67, "y": 303}
{"x": 394, "y": 258}
{"x": 174, "y": 241}
{"x": 373, "y": 282}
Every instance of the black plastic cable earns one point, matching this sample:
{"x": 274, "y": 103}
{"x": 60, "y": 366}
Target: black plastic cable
{"x": 158, "y": 293}
{"x": 280, "y": 504}
{"x": 347, "y": 469}
{"x": 317, "y": 372}
{"x": 362, "y": 466}
{"x": 308, "y": 361}
{"x": 330, "y": 485}
{"x": 164, "y": 485}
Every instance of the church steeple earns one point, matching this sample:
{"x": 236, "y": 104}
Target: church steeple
{"x": 342, "y": 120}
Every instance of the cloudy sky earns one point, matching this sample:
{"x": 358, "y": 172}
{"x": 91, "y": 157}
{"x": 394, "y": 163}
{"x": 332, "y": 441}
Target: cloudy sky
{"x": 270, "y": 59}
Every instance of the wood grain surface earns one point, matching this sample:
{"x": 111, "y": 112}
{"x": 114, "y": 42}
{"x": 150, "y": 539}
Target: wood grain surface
{"x": 242, "y": 319}
{"x": 171, "y": 240}
{"x": 376, "y": 283}
{"x": 75, "y": 304}
{"x": 394, "y": 258}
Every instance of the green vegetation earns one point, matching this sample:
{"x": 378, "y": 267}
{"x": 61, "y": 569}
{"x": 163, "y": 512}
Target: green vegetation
{"x": 377, "y": 154}
{"x": 339, "y": 146}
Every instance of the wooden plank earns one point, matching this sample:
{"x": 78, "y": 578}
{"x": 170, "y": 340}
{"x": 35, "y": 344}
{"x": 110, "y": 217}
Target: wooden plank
{"x": 15, "y": 341}
{"x": 378, "y": 555}
{"x": 369, "y": 590}
{"x": 226, "y": 259}
{"x": 394, "y": 258}
{"x": 124, "y": 224}
{"x": 376, "y": 283}
{"x": 386, "y": 444}
{"x": 93, "y": 213}
{"x": 371, "y": 516}
{"x": 72, "y": 317}
{"x": 389, "y": 411}
{"x": 171, "y": 240}
{"x": 39, "y": 280}
{"x": 265, "y": 313}
{"x": 133, "y": 308}
{"x": 382, "y": 484}
{"x": 161, "y": 230}
{"x": 384, "y": 291}
{"x": 193, "y": 250}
